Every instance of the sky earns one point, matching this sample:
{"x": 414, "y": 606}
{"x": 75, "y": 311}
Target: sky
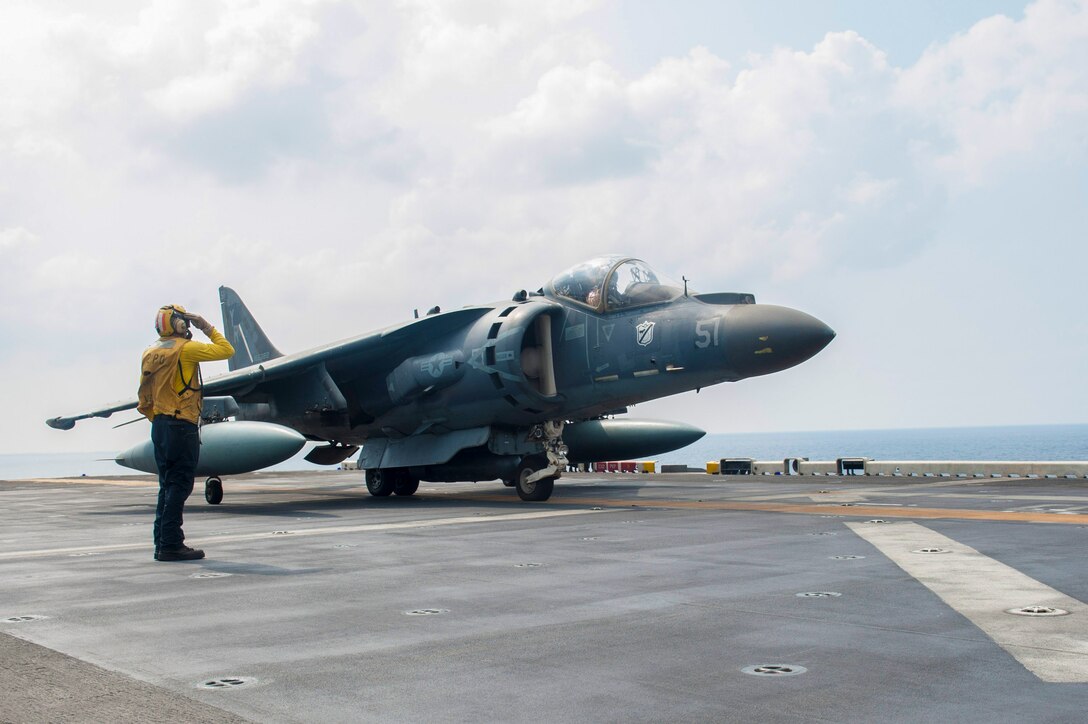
{"x": 912, "y": 173}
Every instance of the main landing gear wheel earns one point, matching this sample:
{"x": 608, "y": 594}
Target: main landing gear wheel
{"x": 213, "y": 490}
{"x": 537, "y": 490}
{"x": 406, "y": 485}
{"x": 380, "y": 482}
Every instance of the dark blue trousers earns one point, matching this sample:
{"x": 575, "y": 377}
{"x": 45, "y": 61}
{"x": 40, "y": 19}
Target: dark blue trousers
{"x": 177, "y": 447}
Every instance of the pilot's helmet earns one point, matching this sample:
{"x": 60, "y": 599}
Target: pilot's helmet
{"x": 164, "y": 319}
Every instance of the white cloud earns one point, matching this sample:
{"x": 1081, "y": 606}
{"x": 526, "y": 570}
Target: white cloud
{"x": 12, "y": 238}
{"x": 492, "y": 122}
{"x": 1004, "y": 91}
{"x": 790, "y": 157}
{"x": 568, "y": 101}
{"x": 78, "y": 272}
{"x": 78, "y": 83}
{"x": 865, "y": 190}
{"x": 577, "y": 126}
{"x": 250, "y": 44}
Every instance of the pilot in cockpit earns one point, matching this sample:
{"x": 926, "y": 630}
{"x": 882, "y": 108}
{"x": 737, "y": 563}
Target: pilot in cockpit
{"x": 629, "y": 283}
{"x": 594, "y": 297}
{"x": 583, "y": 283}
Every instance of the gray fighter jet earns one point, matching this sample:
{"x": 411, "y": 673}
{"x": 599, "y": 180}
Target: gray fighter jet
{"x": 516, "y": 390}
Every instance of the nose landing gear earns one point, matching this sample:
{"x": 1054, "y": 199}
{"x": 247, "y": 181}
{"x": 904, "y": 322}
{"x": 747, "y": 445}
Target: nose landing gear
{"x": 536, "y": 474}
{"x": 532, "y": 479}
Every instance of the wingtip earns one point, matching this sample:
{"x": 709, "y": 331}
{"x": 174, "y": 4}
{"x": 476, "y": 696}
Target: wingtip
{"x": 61, "y": 423}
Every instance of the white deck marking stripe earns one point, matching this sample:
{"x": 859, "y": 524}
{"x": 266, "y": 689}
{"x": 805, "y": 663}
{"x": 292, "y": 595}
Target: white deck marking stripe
{"x": 306, "y": 532}
{"x": 1053, "y": 648}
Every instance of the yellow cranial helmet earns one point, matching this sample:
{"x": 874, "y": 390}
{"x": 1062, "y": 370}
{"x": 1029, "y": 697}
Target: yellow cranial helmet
{"x": 164, "y": 319}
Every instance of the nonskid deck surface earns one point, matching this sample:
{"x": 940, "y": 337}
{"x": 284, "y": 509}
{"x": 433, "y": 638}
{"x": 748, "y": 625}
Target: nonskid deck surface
{"x": 625, "y": 597}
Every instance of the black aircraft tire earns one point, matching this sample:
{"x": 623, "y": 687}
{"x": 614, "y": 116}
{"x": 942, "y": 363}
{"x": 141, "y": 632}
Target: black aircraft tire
{"x": 213, "y": 491}
{"x": 533, "y": 492}
{"x": 380, "y": 482}
{"x": 406, "y": 485}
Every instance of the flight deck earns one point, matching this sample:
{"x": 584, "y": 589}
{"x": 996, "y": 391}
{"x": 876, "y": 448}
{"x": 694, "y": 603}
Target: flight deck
{"x": 674, "y": 597}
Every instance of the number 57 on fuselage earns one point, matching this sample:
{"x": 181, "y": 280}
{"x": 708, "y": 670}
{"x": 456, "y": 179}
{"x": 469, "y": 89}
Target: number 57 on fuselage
{"x": 514, "y": 390}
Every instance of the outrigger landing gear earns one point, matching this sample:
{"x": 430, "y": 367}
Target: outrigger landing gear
{"x": 213, "y": 490}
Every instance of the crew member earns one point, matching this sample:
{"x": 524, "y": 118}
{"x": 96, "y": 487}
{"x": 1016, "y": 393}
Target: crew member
{"x": 171, "y": 396}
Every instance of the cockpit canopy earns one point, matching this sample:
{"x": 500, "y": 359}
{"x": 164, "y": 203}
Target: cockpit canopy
{"x": 611, "y": 283}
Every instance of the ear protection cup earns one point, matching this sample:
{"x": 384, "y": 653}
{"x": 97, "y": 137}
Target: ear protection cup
{"x": 168, "y": 323}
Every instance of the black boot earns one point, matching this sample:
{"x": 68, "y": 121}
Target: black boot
{"x": 179, "y": 553}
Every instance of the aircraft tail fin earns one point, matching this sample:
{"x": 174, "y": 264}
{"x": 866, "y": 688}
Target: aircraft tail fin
{"x": 251, "y": 344}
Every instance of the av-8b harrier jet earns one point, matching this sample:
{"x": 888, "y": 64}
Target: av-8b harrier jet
{"x": 513, "y": 390}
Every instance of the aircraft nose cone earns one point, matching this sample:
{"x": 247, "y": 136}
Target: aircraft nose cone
{"x": 762, "y": 338}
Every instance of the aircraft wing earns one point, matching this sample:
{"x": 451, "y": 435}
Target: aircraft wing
{"x": 386, "y": 343}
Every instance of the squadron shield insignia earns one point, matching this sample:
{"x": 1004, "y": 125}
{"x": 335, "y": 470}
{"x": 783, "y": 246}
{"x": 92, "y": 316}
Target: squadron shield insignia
{"x": 644, "y": 334}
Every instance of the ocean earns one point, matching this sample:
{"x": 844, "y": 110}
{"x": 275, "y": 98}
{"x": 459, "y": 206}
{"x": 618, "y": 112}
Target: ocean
{"x": 1034, "y": 442}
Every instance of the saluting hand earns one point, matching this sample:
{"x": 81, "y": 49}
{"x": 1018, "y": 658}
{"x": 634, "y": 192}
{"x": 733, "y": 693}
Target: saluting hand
{"x": 200, "y": 323}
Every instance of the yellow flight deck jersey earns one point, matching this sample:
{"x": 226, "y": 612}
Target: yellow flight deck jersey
{"x": 169, "y": 375}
